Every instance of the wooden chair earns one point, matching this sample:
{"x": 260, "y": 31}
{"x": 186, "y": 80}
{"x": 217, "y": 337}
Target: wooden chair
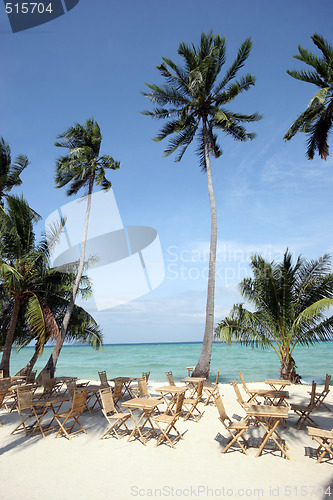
{"x": 1, "y": 374}
{"x": 3, "y": 394}
{"x": 78, "y": 407}
{"x": 236, "y": 429}
{"x": 239, "y": 397}
{"x": 170, "y": 378}
{"x": 117, "y": 392}
{"x": 146, "y": 375}
{"x": 325, "y": 440}
{"x": 103, "y": 379}
{"x": 31, "y": 377}
{"x": 211, "y": 390}
{"x": 251, "y": 394}
{"x": 115, "y": 418}
{"x": 191, "y": 404}
{"x": 304, "y": 411}
{"x": 50, "y": 389}
{"x": 27, "y": 411}
{"x": 170, "y": 422}
{"x": 320, "y": 396}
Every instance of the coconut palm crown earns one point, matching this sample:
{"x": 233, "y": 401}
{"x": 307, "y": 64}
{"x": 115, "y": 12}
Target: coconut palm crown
{"x": 9, "y": 172}
{"x": 193, "y": 102}
{"x": 291, "y": 303}
{"x": 316, "y": 121}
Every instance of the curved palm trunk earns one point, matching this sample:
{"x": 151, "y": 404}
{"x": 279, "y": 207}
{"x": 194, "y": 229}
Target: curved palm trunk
{"x": 29, "y": 366}
{"x": 287, "y": 370}
{"x": 52, "y": 362}
{"x": 5, "y": 361}
{"x": 203, "y": 366}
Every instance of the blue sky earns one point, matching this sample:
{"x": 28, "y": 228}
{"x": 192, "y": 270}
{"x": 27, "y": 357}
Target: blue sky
{"x": 93, "y": 62}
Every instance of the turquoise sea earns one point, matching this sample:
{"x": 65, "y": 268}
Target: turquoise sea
{"x": 132, "y": 359}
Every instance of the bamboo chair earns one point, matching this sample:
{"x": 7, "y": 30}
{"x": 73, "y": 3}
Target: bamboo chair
{"x": 1, "y": 374}
{"x": 49, "y": 389}
{"x": 2, "y": 399}
{"x": 320, "y": 396}
{"x": 251, "y": 394}
{"x": 236, "y": 429}
{"x": 135, "y": 389}
{"x": 191, "y": 404}
{"x": 170, "y": 422}
{"x": 115, "y": 418}
{"x": 143, "y": 388}
{"x": 325, "y": 440}
{"x": 244, "y": 404}
{"x": 103, "y": 379}
{"x": 31, "y": 377}
{"x": 117, "y": 392}
{"x": 27, "y": 411}
{"x": 211, "y": 390}
{"x": 304, "y": 411}
{"x": 78, "y": 407}
{"x": 146, "y": 375}
{"x": 170, "y": 378}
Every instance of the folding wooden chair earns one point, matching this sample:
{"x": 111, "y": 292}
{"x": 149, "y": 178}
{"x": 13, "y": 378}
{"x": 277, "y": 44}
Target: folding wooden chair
{"x": 320, "y": 396}
{"x": 304, "y": 411}
{"x": 211, "y": 390}
{"x": 50, "y": 388}
{"x": 143, "y": 388}
{"x": 236, "y": 429}
{"x": 170, "y": 378}
{"x": 103, "y": 379}
{"x": 251, "y": 394}
{"x": 78, "y": 407}
{"x": 117, "y": 392}
{"x": 239, "y": 397}
{"x": 2, "y": 398}
{"x": 324, "y": 439}
{"x": 31, "y": 377}
{"x": 115, "y": 418}
{"x": 170, "y": 422}
{"x": 146, "y": 375}
{"x": 191, "y": 404}
{"x": 27, "y": 411}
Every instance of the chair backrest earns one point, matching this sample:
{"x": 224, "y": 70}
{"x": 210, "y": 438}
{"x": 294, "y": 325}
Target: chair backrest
{"x": 1, "y": 374}
{"x": 313, "y": 393}
{"x": 48, "y": 387}
{"x": 24, "y": 398}
{"x": 145, "y": 375}
{"x": 107, "y": 400}
{"x": 238, "y": 393}
{"x": 71, "y": 387}
{"x": 118, "y": 388}
{"x": 3, "y": 393}
{"x": 4, "y": 384}
{"x": 243, "y": 383}
{"x": 170, "y": 378}
{"x": 46, "y": 376}
{"x": 217, "y": 378}
{"x": 143, "y": 388}
{"x": 199, "y": 390}
{"x": 179, "y": 404}
{"x": 327, "y": 383}
{"x": 78, "y": 404}
{"x": 31, "y": 377}
{"x": 220, "y": 408}
{"x": 103, "y": 378}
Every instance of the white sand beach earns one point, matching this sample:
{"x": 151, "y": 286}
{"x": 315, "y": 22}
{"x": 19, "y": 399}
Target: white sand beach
{"x": 33, "y": 468}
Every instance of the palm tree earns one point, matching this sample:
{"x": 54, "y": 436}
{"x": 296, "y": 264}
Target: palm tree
{"x": 82, "y": 166}
{"x": 193, "y": 103}
{"x": 9, "y": 172}
{"x": 316, "y": 121}
{"x": 290, "y": 301}
{"x": 22, "y": 269}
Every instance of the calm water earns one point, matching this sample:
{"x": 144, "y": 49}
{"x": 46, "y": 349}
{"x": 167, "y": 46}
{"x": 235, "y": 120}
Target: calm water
{"x": 132, "y": 359}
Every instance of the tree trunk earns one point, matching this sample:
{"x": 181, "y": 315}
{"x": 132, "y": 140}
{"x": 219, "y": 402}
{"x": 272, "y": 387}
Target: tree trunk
{"x": 203, "y": 366}
{"x": 5, "y": 361}
{"x": 29, "y": 366}
{"x": 287, "y": 370}
{"x": 52, "y": 362}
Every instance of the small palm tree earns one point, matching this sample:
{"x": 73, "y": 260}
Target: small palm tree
{"x": 317, "y": 120}
{"x": 9, "y": 172}
{"x": 193, "y": 103}
{"x": 81, "y": 167}
{"x": 291, "y": 303}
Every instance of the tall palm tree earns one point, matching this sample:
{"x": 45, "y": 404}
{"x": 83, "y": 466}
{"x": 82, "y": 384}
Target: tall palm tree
{"x": 193, "y": 102}
{"x": 82, "y": 166}
{"x": 316, "y": 121}
{"x": 291, "y": 303}
{"x": 9, "y": 172}
{"x": 22, "y": 269}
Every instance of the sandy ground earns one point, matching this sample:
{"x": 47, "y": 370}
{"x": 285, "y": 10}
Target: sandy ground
{"x": 87, "y": 468}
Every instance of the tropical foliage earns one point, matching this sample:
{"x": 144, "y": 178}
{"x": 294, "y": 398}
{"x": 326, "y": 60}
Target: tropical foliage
{"x": 9, "y": 172}
{"x": 291, "y": 304}
{"x": 316, "y": 121}
{"x": 193, "y": 102}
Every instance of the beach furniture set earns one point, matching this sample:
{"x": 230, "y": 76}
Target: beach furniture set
{"x": 268, "y": 409}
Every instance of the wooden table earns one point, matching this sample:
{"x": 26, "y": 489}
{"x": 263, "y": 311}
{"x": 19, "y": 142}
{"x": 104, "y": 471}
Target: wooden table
{"x": 126, "y": 384}
{"x": 173, "y": 391}
{"x": 147, "y": 407}
{"x": 275, "y": 398}
{"x": 192, "y": 384}
{"x": 269, "y": 418}
{"x": 277, "y": 384}
{"x": 53, "y": 404}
